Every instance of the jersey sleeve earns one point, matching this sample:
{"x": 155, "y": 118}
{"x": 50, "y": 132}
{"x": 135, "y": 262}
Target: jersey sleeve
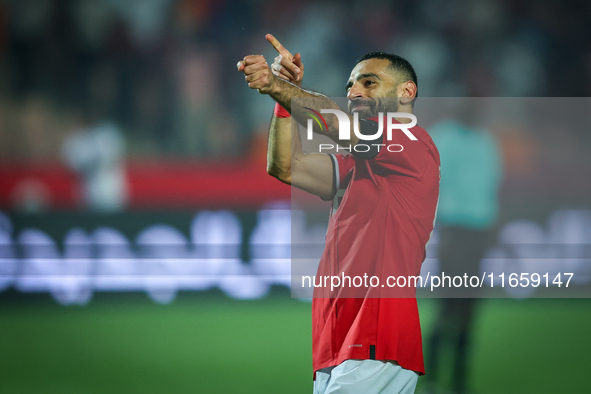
{"x": 342, "y": 167}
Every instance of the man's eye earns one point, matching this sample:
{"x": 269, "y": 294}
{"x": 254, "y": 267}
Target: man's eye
{"x": 367, "y": 83}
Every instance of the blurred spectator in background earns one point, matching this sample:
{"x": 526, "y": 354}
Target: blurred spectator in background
{"x": 96, "y": 152}
{"x": 471, "y": 172}
{"x": 155, "y": 66}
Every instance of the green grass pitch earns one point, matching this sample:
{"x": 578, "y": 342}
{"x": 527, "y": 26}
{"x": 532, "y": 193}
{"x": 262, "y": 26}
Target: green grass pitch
{"x": 207, "y": 343}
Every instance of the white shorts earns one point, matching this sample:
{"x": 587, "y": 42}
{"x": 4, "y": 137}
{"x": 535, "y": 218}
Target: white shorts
{"x": 366, "y": 377}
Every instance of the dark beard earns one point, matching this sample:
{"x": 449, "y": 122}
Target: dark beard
{"x": 374, "y": 106}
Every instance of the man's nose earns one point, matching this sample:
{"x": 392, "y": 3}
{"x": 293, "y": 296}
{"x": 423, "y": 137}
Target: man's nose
{"x": 355, "y": 92}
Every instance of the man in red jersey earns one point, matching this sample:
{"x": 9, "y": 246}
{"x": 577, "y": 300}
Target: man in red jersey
{"x": 365, "y": 338}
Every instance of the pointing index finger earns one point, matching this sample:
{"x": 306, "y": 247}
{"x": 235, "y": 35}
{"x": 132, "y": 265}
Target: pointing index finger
{"x": 278, "y": 47}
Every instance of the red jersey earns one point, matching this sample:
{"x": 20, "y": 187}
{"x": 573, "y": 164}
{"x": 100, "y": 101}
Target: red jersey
{"x": 381, "y": 227}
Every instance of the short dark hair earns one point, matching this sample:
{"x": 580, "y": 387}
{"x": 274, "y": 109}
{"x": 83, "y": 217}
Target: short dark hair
{"x": 398, "y": 63}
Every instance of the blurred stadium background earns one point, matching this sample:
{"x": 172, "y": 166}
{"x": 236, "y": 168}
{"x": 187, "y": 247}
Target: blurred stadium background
{"x": 129, "y": 142}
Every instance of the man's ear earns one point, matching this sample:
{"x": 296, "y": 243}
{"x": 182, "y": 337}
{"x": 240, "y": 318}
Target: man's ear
{"x": 407, "y": 91}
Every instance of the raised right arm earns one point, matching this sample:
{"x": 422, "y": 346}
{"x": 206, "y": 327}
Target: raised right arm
{"x": 286, "y": 161}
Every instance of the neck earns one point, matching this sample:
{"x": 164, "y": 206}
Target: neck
{"x": 406, "y": 108}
